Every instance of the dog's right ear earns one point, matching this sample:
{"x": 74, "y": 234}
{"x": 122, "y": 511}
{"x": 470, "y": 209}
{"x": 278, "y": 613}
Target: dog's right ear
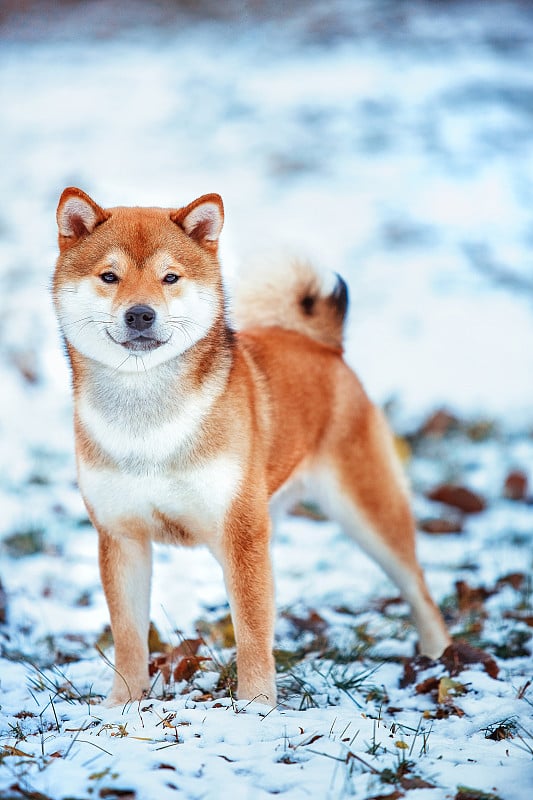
{"x": 77, "y": 216}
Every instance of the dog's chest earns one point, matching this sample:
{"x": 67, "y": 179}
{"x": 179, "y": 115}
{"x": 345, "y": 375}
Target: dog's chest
{"x": 155, "y": 481}
{"x": 135, "y": 434}
{"x": 186, "y": 506}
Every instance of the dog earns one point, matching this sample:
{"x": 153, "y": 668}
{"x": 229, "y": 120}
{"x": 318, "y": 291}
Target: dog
{"x": 186, "y": 429}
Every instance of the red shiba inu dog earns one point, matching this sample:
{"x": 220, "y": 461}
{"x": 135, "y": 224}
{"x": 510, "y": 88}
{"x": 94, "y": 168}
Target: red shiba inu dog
{"x": 186, "y": 429}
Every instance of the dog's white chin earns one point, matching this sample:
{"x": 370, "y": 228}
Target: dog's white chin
{"x": 132, "y": 361}
{"x": 122, "y": 359}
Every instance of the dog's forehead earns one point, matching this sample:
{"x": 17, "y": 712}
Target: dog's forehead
{"x": 143, "y": 232}
{"x": 158, "y": 259}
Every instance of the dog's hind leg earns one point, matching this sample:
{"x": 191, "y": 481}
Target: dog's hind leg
{"x": 362, "y": 486}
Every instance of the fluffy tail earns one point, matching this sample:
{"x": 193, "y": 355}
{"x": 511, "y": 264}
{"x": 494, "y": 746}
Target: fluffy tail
{"x": 292, "y": 294}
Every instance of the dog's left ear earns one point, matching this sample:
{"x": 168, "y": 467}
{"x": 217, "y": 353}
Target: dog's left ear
{"x": 202, "y": 220}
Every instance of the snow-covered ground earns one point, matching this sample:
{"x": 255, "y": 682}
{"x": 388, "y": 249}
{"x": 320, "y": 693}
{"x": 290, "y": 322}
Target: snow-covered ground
{"x": 393, "y": 143}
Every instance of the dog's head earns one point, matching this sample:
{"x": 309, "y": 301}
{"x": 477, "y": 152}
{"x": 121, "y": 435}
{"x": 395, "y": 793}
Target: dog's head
{"x": 135, "y": 287}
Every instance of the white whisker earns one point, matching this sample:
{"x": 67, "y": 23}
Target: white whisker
{"x": 123, "y": 362}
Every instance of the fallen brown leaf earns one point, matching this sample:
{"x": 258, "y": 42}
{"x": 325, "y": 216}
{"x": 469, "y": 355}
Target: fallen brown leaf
{"x": 449, "y": 710}
{"x": 441, "y": 525}
{"x": 427, "y": 686}
{"x": 313, "y": 622}
{"x": 415, "y": 783}
{"x": 181, "y": 662}
{"x": 411, "y": 667}
{"x": 459, "y": 497}
{"x": 187, "y": 667}
{"x": 515, "y": 486}
{"x": 458, "y": 654}
{"x": 28, "y": 794}
{"x": 308, "y": 511}
{"x": 471, "y": 598}
{"x": 466, "y": 793}
{"x": 439, "y": 424}
{"x": 514, "y": 579}
{"x": 8, "y": 750}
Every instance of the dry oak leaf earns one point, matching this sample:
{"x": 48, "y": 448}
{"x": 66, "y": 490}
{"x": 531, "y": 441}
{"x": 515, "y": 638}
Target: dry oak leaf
{"x": 514, "y": 579}
{"x": 176, "y": 662}
{"x": 188, "y": 666}
{"x": 415, "y": 783}
{"x": 308, "y": 511}
{"x": 439, "y": 424}
{"x": 466, "y": 793}
{"x": 427, "y": 686}
{"x": 471, "y": 598}
{"x": 440, "y": 525}
{"x": 458, "y": 654}
{"x": 395, "y": 795}
{"x": 412, "y": 666}
{"x": 313, "y": 623}
{"x": 515, "y": 486}
{"x": 459, "y": 497}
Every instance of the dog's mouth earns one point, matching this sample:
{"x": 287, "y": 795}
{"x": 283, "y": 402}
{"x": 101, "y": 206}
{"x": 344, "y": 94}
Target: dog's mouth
{"x": 140, "y": 343}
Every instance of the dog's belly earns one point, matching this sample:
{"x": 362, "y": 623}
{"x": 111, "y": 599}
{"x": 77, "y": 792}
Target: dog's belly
{"x": 180, "y": 507}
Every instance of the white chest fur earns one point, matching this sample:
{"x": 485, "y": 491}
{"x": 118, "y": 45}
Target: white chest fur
{"x": 196, "y": 498}
{"x": 150, "y": 430}
{"x": 137, "y": 434}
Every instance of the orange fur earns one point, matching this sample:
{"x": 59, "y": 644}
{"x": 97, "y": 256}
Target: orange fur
{"x": 188, "y": 442}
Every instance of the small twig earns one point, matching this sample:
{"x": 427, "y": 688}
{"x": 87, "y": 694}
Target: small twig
{"x": 73, "y": 742}
{"x": 115, "y": 670}
{"x": 274, "y": 708}
{"x": 55, "y": 714}
{"x": 348, "y": 757}
{"x": 414, "y": 738}
{"x": 84, "y": 741}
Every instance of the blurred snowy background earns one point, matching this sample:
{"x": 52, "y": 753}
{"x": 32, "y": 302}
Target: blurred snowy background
{"x": 390, "y": 140}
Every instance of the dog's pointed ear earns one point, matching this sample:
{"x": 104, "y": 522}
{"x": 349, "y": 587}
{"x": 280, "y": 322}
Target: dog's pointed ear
{"x": 202, "y": 220}
{"x": 77, "y": 216}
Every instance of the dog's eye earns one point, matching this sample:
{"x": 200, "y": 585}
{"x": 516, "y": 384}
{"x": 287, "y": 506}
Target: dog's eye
{"x": 109, "y": 277}
{"x": 171, "y": 277}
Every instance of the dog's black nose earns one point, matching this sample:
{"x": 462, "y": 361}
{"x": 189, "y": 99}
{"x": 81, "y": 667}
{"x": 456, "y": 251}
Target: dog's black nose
{"x": 139, "y": 317}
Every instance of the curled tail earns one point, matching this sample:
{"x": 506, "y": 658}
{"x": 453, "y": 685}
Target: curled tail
{"x": 293, "y": 294}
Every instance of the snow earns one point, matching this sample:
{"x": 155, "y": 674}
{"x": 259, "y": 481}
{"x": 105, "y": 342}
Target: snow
{"x": 393, "y": 147}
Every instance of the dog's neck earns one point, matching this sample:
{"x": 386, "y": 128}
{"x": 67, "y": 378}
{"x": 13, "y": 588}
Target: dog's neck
{"x": 139, "y": 403}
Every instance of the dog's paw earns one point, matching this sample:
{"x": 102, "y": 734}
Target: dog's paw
{"x": 123, "y": 697}
{"x": 266, "y": 695}
{"x": 112, "y": 700}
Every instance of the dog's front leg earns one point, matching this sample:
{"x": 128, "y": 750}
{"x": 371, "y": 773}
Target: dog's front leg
{"x": 125, "y": 568}
{"x": 245, "y": 559}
